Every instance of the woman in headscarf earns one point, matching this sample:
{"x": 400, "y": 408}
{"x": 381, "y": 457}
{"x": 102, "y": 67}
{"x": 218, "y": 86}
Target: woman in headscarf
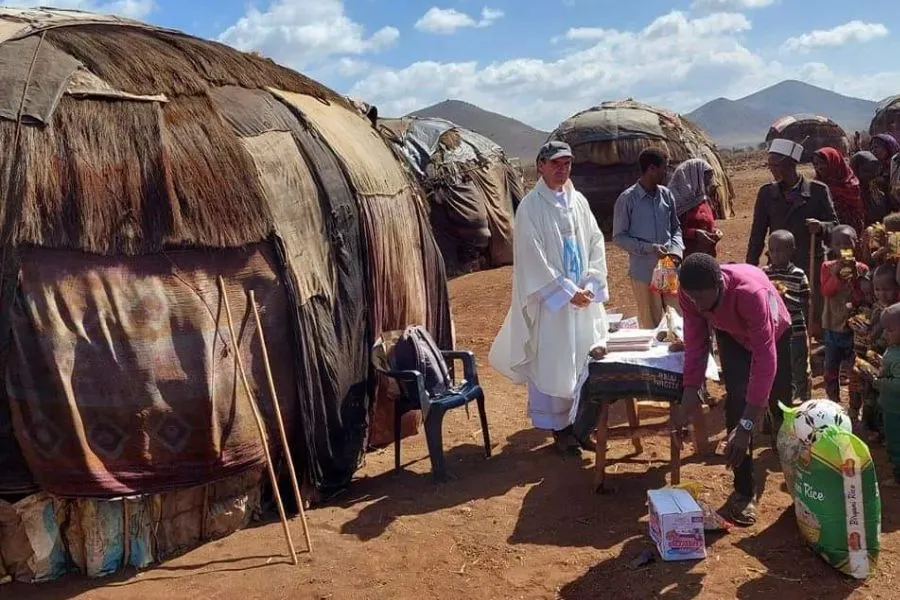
{"x": 865, "y": 165}
{"x": 692, "y": 185}
{"x": 885, "y": 147}
{"x": 834, "y": 170}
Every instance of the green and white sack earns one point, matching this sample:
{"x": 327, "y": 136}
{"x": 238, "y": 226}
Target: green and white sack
{"x": 836, "y": 501}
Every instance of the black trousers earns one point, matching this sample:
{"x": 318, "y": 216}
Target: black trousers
{"x": 736, "y": 373}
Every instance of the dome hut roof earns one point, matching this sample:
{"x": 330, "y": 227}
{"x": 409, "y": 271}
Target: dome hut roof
{"x": 812, "y": 132}
{"x": 471, "y": 187}
{"x": 607, "y": 139}
{"x": 887, "y": 118}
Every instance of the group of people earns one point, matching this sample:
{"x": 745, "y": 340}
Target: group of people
{"x": 833, "y": 230}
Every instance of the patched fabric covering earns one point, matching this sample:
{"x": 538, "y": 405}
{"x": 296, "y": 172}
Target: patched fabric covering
{"x": 465, "y": 178}
{"x": 36, "y": 69}
{"x": 369, "y": 163}
{"x": 122, "y": 372}
{"x": 294, "y": 201}
{"x": 605, "y": 124}
{"x": 84, "y": 84}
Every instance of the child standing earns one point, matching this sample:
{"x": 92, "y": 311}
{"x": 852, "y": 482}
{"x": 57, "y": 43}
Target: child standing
{"x": 887, "y": 293}
{"x": 841, "y": 290}
{"x": 888, "y": 386}
{"x": 792, "y": 284}
{"x": 859, "y": 322}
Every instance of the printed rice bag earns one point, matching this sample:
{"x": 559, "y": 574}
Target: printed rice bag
{"x": 836, "y": 501}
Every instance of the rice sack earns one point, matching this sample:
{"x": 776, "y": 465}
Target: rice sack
{"x": 802, "y": 426}
{"x": 836, "y": 501}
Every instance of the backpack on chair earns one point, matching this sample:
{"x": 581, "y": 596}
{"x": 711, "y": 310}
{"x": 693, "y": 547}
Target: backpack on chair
{"x": 416, "y": 350}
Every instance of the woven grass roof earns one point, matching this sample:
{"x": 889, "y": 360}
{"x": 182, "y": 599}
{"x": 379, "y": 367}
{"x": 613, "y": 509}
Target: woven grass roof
{"x": 131, "y": 153}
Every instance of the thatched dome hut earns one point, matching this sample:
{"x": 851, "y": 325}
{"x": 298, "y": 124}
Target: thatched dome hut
{"x": 471, "y": 188}
{"x": 812, "y": 132}
{"x": 607, "y": 140}
{"x": 139, "y": 166}
{"x": 887, "y": 118}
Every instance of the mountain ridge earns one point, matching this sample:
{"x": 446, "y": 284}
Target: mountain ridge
{"x": 745, "y": 121}
{"x": 730, "y": 123}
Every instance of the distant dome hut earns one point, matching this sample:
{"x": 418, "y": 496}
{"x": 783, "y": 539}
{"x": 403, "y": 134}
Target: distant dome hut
{"x": 607, "y": 139}
{"x": 887, "y": 118}
{"x": 472, "y": 189}
{"x": 139, "y": 166}
{"x": 812, "y": 132}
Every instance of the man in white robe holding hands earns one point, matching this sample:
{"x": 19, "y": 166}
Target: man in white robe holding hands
{"x": 556, "y": 317}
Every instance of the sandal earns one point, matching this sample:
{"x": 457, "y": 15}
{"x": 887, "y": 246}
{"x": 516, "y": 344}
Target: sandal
{"x": 566, "y": 442}
{"x": 742, "y": 510}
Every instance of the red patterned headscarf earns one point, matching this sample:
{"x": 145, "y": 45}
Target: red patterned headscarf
{"x": 844, "y": 186}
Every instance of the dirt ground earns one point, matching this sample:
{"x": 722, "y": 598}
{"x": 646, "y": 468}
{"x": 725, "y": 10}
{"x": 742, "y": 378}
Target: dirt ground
{"x": 522, "y": 524}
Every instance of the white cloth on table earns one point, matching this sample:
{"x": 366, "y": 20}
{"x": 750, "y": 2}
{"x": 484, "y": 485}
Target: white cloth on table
{"x": 558, "y": 248}
{"x": 657, "y": 357}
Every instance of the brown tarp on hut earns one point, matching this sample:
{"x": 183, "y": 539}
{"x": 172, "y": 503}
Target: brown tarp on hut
{"x": 606, "y": 141}
{"x": 472, "y": 190}
{"x": 146, "y": 164}
{"x": 812, "y": 132}
{"x": 887, "y": 118}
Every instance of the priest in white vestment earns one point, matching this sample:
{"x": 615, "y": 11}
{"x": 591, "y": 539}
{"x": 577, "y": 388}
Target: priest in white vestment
{"x": 556, "y": 316}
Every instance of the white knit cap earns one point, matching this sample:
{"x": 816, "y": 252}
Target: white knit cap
{"x": 786, "y": 148}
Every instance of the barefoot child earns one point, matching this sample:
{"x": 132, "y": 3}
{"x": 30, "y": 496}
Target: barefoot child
{"x": 841, "y": 289}
{"x": 793, "y": 286}
{"x": 888, "y": 386}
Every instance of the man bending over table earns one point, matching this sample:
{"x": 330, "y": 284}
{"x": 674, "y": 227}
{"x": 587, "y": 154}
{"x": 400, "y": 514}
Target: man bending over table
{"x": 753, "y": 330}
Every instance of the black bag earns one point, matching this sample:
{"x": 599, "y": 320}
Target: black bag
{"x": 416, "y": 350}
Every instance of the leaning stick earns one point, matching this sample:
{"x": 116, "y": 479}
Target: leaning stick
{"x": 813, "y": 282}
{"x": 259, "y": 424}
{"x": 675, "y": 457}
{"x": 284, "y": 439}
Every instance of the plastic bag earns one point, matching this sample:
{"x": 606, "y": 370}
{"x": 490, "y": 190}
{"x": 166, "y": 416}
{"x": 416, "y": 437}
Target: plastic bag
{"x": 665, "y": 277}
{"x": 712, "y": 521}
{"x": 788, "y": 445}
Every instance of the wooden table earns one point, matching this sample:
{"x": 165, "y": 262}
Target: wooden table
{"x": 629, "y": 377}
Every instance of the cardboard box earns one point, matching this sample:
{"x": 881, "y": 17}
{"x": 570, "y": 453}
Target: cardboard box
{"x": 676, "y": 524}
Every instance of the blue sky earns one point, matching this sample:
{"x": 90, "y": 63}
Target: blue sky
{"x": 540, "y": 61}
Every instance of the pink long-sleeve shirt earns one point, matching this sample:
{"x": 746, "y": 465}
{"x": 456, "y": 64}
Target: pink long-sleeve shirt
{"x": 753, "y": 313}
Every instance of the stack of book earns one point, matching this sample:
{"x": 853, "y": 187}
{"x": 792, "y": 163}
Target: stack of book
{"x": 631, "y": 340}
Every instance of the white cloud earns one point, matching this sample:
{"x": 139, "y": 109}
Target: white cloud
{"x": 675, "y": 61}
{"x": 448, "y": 20}
{"x": 731, "y": 4}
{"x": 134, "y": 9}
{"x": 301, "y": 33}
{"x": 854, "y": 31}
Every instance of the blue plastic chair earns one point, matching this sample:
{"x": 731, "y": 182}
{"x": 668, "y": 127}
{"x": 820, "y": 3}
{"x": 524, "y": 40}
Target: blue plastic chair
{"x": 412, "y": 392}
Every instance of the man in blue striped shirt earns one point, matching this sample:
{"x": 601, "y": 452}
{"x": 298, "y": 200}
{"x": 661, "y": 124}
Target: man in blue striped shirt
{"x": 646, "y": 226}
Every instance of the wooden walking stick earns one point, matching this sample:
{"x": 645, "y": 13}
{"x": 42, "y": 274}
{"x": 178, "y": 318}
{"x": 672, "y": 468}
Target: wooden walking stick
{"x": 675, "y": 457}
{"x": 259, "y": 423}
{"x": 813, "y": 285}
{"x": 284, "y": 439}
